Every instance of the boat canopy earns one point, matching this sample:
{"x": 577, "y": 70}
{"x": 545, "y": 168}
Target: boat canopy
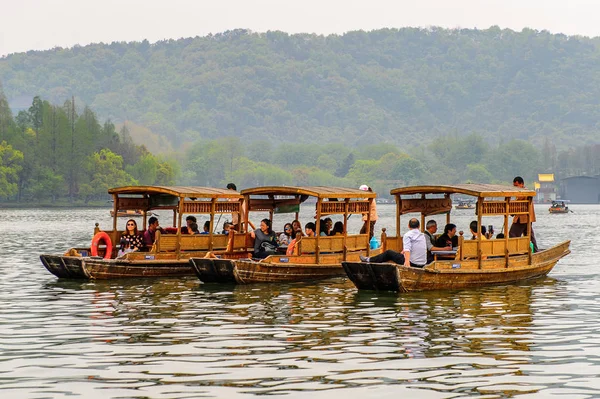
{"x": 179, "y": 199}
{"x": 330, "y": 200}
{"x": 474, "y": 190}
{"x": 177, "y": 191}
{"x": 311, "y": 191}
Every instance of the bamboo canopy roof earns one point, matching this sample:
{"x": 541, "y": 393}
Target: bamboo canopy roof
{"x": 475, "y": 190}
{"x": 320, "y": 192}
{"x": 178, "y": 191}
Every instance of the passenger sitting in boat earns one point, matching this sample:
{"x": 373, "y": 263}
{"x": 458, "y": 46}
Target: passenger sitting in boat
{"x": 430, "y": 230}
{"x": 500, "y": 235}
{"x": 292, "y": 245}
{"x": 327, "y": 226}
{"x": 150, "y": 233}
{"x": 473, "y": 227}
{"x": 297, "y": 227}
{"x": 310, "y": 229}
{"x": 124, "y": 248}
{"x": 414, "y": 253}
{"x": 287, "y": 236}
{"x": 192, "y": 228}
{"x": 338, "y": 229}
{"x": 206, "y": 227}
{"x": 189, "y": 220}
{"x": 265, "y": 241}
{"x": 226, "y": 227}
{"x": 323, "y": 228}
{"x": 449, "y": 238}
{"x": 132, "y": 236}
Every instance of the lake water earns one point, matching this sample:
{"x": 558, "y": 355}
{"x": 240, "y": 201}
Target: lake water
{"x": 179, "y": 338}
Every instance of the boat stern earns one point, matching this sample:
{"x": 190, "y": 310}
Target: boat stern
{"x": 213, "y": 270}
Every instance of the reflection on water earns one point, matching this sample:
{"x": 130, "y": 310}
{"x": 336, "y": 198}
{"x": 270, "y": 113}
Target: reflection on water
{"x": 179, "y": 338}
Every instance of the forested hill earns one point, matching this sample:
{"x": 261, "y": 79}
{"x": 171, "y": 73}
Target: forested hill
{"x": 400, "y": 86}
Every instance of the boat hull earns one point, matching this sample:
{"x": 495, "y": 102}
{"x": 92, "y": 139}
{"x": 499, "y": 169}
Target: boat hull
{"x": 275, "y": 269}
{"x": 561, "y": 210}
{"x": 393, "y": 277}
{"x": 211, "y": 270}
{"x": 248, "y": 271}
{"x": 76, "y": 267}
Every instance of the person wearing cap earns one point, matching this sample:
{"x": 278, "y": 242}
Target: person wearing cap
{"x": 373, "y": 212}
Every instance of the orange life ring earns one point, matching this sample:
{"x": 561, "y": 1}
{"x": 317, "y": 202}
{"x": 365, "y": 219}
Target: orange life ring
{"x": 102, "y": 236}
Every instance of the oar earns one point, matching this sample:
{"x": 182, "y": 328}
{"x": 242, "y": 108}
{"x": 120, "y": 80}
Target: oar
{"x": 219, "y": 221}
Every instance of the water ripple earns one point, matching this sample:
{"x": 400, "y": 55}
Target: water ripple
{"x": 179, "y": 338}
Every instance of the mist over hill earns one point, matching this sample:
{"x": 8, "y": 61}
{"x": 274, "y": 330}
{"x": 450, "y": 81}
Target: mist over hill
{"x": 402, "y": 86}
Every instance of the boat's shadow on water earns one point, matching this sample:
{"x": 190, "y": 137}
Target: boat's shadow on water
{"x": 509, "y": 291}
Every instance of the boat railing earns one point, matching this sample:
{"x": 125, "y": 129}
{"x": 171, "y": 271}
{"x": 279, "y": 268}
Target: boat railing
{"x": 468, "y": 249}
{"x": 197, "y": 242}
{"x": 393, "y": 243}
{"x": 472, "y": 249}
{"x": 334, "y": 244}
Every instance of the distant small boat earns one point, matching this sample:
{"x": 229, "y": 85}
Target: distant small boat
{"x": 559, "y": 206}
{"x": 465, "y": 204}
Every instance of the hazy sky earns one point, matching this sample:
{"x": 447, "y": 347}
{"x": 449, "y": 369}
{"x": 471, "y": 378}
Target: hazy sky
{"x": 43, "y": 24}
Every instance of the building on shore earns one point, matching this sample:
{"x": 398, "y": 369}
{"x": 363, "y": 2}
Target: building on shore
{"x": 580, "y": 189}
{"x": 545, "y": 187}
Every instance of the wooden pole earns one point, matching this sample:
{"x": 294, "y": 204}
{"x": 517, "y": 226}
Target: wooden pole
{"x": 422, "y": 216}
{"x": 212, "y": 222}
{"x": 448, "y": 214}
{"x": 346, "y": 205}
{"x": 506, "y": 229}
{"x": 115, "y": 209}
{"x": 398, "y": 205}
{"x": 179, "y": 221}
{"x": 318, "y": 232}
{"x": 368, "y": 225}
{"x": 479, "y": 210}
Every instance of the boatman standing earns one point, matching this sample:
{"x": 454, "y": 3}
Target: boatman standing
{"x": 373, "y": 214}
{"x": 521, "y": 222}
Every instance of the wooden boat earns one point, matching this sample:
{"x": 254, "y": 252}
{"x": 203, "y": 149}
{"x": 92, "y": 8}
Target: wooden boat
{"x": 559, "y": 206}
{"x": 169, "y": 256}
{"x": 315, "y": 258}
{"x": 465, "y": 204}
{"x": 476, "y": 262}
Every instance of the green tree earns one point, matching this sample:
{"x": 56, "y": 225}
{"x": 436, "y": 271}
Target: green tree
{"x": 478, "y": 173}
{"x": 105, "y": 170}
{"x": 45, "y": 184}
{"x": 516, "y": 158}
{"x": 11, "y": 163}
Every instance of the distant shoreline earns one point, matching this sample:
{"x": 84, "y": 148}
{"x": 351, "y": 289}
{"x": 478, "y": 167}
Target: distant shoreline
{"x": 61, "y": 205}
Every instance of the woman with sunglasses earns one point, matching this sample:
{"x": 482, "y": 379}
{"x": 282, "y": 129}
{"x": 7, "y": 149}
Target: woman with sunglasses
{"x": 286, "y": 237}
{"x": 132, "y": 236}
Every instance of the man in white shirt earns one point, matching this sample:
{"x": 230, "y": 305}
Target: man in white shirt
{"x": 414, "y": 253}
